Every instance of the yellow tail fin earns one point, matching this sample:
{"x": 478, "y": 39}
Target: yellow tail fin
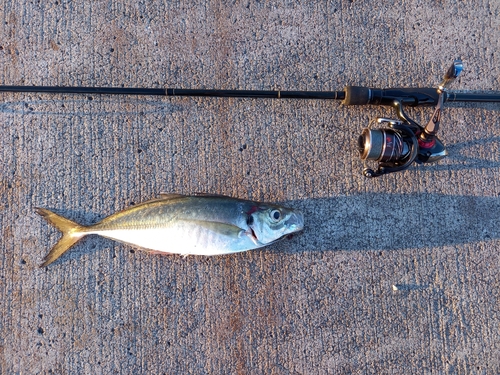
{"x": 71, "y": 233}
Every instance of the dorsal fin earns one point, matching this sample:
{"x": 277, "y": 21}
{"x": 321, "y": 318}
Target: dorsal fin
{"x": 196, "y": 194}
{"x": 201, "y": 194}
{"x": 170, "y": 196}
{"x": 162, "y": 197}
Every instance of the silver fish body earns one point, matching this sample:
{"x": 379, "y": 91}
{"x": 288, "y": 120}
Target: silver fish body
{"x": 187, "y": 225}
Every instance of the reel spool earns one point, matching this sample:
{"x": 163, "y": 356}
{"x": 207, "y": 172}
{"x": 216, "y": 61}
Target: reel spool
{"x": 395, "y": 148}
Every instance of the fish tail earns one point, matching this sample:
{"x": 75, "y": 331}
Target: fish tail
{"x": 71, "y": 233}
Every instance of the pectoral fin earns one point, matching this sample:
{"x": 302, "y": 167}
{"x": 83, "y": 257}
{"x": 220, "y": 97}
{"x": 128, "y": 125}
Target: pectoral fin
{"x": 233, "y": 232}
{"x": 215, "y": 227}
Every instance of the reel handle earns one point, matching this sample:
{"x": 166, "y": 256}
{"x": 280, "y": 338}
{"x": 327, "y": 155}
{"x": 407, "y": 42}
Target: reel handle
{"x": 451, "y": 74}
{"x": 427, "y": 138}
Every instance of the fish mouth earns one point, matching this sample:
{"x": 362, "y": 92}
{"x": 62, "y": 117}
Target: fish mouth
{"x": 296, "y": 221}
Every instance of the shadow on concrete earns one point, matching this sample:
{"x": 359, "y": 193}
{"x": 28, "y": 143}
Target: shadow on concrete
{"x": 395, "y": 221}
{"x": 468, "y": 155}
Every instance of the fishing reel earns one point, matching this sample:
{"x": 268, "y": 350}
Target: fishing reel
{"x": 401, "y": 142}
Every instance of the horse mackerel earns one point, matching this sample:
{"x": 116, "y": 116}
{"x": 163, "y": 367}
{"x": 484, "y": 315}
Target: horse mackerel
{"x": 200, "y": 224}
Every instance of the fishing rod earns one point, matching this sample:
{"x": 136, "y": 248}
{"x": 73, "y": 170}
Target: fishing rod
{"x": 394, "y": 147}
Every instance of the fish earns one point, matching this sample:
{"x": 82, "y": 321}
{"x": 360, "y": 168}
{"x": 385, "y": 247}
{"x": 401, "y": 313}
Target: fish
{"x": 198, "y": 224}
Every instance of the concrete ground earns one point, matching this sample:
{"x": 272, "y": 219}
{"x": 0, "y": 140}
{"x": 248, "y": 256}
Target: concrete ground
{"x": 391, "y": 275}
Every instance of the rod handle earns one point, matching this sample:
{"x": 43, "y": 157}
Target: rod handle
{"x": 413, "y": 97}
{"x": 357, "y": 95}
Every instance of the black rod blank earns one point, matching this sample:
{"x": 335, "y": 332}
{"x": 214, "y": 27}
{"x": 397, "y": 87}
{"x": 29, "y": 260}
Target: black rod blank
{"x": 336, "y": 95}
{"x": 85, "y": 90}
{"x": 473, "y": 97}
{"x": 332, "y": 95}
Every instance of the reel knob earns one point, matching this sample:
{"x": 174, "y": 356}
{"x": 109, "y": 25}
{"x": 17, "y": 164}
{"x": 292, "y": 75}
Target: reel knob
{"x": 369, "y": 173}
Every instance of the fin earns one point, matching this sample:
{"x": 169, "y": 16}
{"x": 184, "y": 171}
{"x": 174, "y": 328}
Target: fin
{"x": 71, "y": 231}
{"x": 171, "y": 195}
{"x": 208, "y": 195}
{"x": 196, "y": 194}
{"x": 217, "y": 227}
{"x": 162, "y": 197}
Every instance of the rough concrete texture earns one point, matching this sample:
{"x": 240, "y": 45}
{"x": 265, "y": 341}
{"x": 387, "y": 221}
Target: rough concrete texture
{"x": 392, "y": 275}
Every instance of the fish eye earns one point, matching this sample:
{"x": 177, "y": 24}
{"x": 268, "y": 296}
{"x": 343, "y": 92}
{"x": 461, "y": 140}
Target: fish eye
{"x": 275, "y": 215}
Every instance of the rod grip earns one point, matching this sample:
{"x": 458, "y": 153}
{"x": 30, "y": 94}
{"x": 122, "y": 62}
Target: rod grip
{"x": 356, "y": 95}
{"x": 413, "y": 97}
